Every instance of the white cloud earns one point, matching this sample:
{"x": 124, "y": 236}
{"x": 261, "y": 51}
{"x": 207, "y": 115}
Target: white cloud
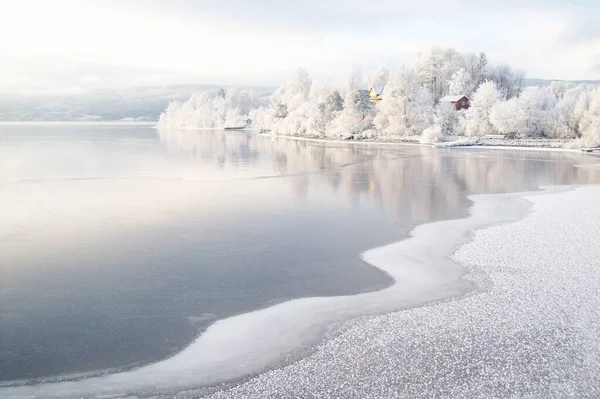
{"x": 51, "y": 44}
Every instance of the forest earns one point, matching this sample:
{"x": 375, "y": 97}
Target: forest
{"x": 410, "y": 106}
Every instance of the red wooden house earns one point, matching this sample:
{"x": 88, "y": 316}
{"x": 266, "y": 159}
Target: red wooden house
{"x": 459, "y": 102}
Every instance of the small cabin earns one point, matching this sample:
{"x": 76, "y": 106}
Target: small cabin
{"x": 375, "y": 93}
{"x": 459, "y": 102}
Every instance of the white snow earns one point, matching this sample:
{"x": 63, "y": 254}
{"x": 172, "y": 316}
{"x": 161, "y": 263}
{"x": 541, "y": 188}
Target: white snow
{"x": 533, "y": 144}
{"x": 531, "y": 330}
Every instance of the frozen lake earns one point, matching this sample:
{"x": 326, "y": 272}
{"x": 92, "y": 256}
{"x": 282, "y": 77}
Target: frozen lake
{"x": 120, "y": 245}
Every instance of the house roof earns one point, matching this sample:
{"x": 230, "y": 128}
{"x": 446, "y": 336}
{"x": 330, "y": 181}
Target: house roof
{"x": 452, "y": 99}
{"x": 378, "y": 89}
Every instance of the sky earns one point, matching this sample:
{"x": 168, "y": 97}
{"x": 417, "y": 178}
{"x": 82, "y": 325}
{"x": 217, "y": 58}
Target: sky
{"x": 72, "y": 46}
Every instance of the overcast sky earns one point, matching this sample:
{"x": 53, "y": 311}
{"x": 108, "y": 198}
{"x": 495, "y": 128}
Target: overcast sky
{"x": 75, "y": 45}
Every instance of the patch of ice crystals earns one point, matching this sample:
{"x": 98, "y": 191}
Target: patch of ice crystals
{"x": 533, "y": 332}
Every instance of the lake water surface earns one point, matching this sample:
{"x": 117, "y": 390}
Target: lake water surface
{"x": 120, "y": 244}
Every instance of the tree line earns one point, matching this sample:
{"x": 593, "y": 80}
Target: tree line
{"x": 410, "y": 106}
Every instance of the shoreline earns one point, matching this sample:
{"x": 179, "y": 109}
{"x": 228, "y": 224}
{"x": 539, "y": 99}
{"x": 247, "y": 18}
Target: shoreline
{"x": 250, "y": 343}
{"x": 413, "y": 142}
{"x": 530, "y": 331}
{"x": 440, "y": 145}
{"x": 367, "y": 142}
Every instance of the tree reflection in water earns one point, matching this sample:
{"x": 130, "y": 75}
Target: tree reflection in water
{"x": 417, "y": 182}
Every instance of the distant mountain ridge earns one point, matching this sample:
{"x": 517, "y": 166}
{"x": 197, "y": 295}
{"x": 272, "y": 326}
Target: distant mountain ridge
{"x": 138, "y": 103}
{"x": 132, "y": 104}
{"x": 546, "y": 82}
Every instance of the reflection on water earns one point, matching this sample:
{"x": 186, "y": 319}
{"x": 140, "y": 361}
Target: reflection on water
{"x": 415, "y": 181}
{"x": 119, "y": 246}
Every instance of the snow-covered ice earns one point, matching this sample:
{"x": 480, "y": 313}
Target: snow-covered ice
{"x": 531, "y": 330}
{"x": 524, "y": 321}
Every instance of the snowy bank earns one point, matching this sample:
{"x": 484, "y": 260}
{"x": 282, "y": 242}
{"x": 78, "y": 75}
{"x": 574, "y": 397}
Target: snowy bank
{"x": 245, "y": 344}
{"x": 531, "y": 330}
{"x": 457, "y": 142}
{"x": 539, "y": 144}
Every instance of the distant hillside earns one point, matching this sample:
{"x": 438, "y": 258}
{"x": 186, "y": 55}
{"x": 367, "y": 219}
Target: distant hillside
{"x": 141, "y": 103}
{"x": 546, "y": 82}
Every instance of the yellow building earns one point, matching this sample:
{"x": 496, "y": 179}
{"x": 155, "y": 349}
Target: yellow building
{"x": 375, "y": 93}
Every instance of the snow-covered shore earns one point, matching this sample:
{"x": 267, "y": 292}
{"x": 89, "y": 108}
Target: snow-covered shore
{"x": 504, "y": 144}
{"x": 424, "y": 274}
{"x": 532, "y": 328}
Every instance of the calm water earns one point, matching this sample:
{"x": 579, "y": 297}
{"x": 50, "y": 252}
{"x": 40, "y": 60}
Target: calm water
{"x": 119, "y": 245}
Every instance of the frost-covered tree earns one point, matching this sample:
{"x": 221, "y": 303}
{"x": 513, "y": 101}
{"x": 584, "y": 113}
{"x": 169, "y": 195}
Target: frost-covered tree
{"x": 324, "y": 106}
{"x": 508, "y": 81}
{"x": 446, "y": 117}
{"x": 481, "y": 73}
{"x": 589, "y": 124}
{"x": 406, "y": 108}
{"x": 525, "y": 116}
{"x": 243, "y": 100}
{"x": 499, "y": 103}
{"x": 461, "y": 83}
{"x": 445, "y": 121}
{"x": 435, "y": 67}
{"x": 476, "y": 66}
{"x": 562, "y": 123}
{"x": 506, "y": 117}
{"x": 552, "y": 111}
{"x": 559, "y": 88}
{"x": 537, "y": 105}
{"x": 291, "y": 95}
{"x": 356, "y": 116}
{"x": 379, "y": 78}
{"x": 206, "y": 111}
{"x": 431, "y": 135}
{"x": 290, "y": 105}
{"x": 477, "y": 117}
{"x": 569, "y": 111}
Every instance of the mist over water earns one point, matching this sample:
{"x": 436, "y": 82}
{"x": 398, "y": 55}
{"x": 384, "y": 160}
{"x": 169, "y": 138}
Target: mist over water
{"x": 121, "y": 243}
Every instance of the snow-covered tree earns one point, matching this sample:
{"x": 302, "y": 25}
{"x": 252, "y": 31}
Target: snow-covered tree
{"x": 406, "y": 108}
{"x": 569, "y": 111}
{"x": 506, "y": 117}
{"x": 435, "y": 67}
{"x": 499, "y": 103}
{"x": 525, "y": 116}
{"x": 537, "y": 104}
{"x": 508, "y": 82}
{"x": 206, "y": 111}
{"x": 461, "y": 83}
{"x": 290, "y": 105}
{"x": 481, "y": 70}
{"x": 431, "y": 135}
{"x": 477, "y": 117}
{"x": 559, "y": 88}
{"x": 291, "y": 95}
{"x": 356, "y": 116}
{"x": 446, "y": 117}
{"x": 325, "y": 105}
{"x": 589, "y": 125}
{"x": 379, "y": 78}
